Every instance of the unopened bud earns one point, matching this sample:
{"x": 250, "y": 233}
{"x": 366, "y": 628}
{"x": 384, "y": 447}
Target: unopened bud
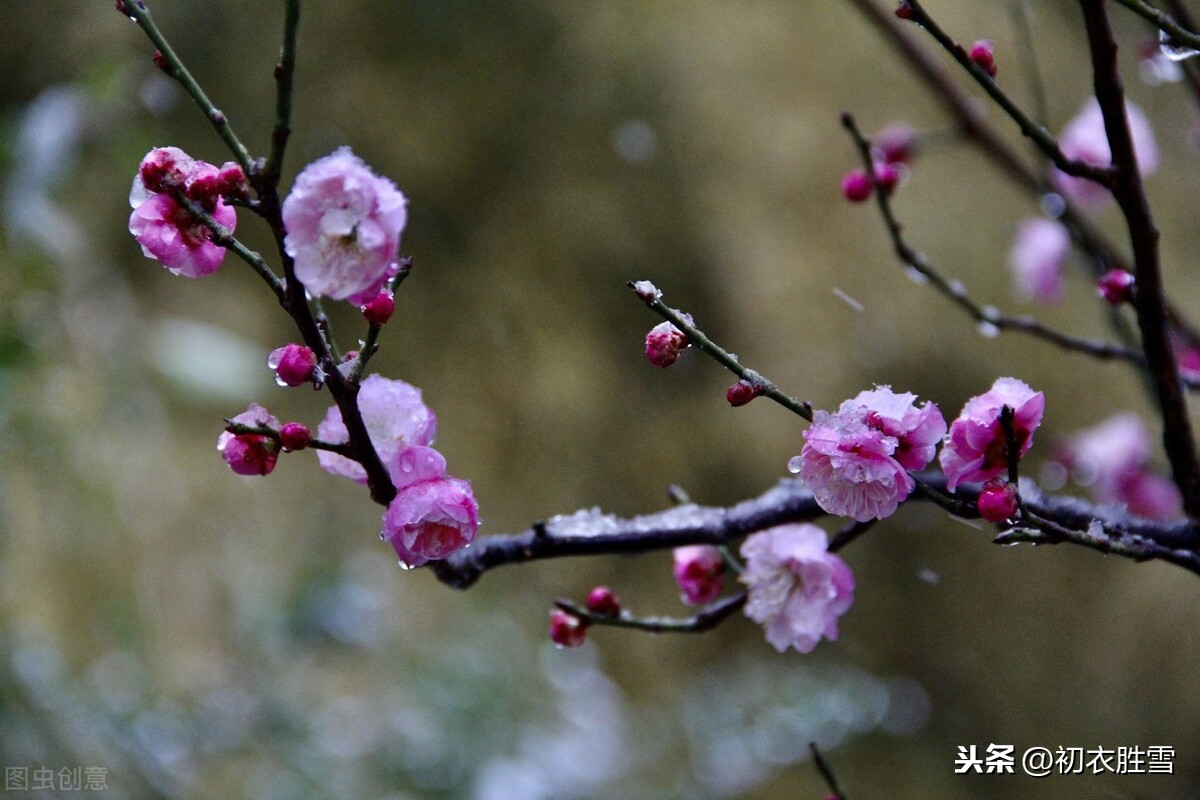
{"x": 294, "y": 436}
{"x": 997, "y": 501}
{"x": 567, "y": 630}
{"x": 603, "y": 602}
{"x": 983, "y": 53}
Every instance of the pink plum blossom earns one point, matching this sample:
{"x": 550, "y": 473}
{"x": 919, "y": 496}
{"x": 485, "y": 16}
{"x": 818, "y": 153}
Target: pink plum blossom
{"x": 797, "y": 589}
{"x": 699, "y": 572}
{"x": 1112, "y": 458}
{"x": 1084, "y": 139}
{"x": 168, "y": 232}
{"x": 433, "y": 515}
{"x": 976, "y": 448}
{"x": 250, "y": 453}
{"x": 1039, "y": 253}
{"x": 395, "y": 417}
{"x": 856, "y": 460}
{"x": 343, "y": 227}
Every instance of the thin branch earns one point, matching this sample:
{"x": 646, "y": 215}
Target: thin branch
{"x": 592, "y": 533}
{"x": 1031, "y": 129}
{"x": 705, "y": 619}
{"x": 1039, "y": 530}
{"x": 726, "y": 359}
{"x": 221, "y": 236}
{"x": 1180, "y": 36}
{"x": 827, "y": 772}
{"x": 1150, "y": 299}
{"x": 972, "y": 123}
{"x": 957, "y": 293}
{"x": 284, "y": 71}
{"x": 141, "y": 15}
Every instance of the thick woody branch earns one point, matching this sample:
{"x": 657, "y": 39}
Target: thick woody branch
{"x": 1178, "y": 440}
{"x": 591, "y": 533}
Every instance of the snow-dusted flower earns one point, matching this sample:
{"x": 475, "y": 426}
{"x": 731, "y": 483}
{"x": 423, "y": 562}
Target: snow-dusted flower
{"x": 250, "y": 453}
{"x": 976, "y": 448}
{"x": 343, "y": 227}
{"x": 699, "y": 572}
{"x": 797, "y": 589}
{"x": 168, "y": 232}
{"x": 665, "y": 342}
{"x": 1112, "y": 458}
{"x": 433, "y": 514}
{"x": 1039, "y": 253}
{"x": 1084, "y": 139}
{"x": 856, "y": 460}
{"x": 395, "y": 417}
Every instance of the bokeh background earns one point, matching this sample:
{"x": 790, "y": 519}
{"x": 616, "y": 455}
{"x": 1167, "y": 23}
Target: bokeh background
{"x": 198, "y": 634}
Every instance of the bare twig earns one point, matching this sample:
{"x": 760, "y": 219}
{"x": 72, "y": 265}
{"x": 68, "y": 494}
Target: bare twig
{"x": 1150, "y": 300}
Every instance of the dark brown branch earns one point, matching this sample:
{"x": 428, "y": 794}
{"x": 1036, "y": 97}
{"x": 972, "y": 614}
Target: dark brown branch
{"x": 703, "y": 620}
{"x": 590, "y": 533}
{"x": 1150, "y": 300}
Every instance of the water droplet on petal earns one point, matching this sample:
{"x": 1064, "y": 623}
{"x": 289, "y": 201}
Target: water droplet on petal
{"x": 1053, "y": 205}
{"x": 280, "y": 381}
{"x": 404, "y": 565}
{"x": 794, "y": 465}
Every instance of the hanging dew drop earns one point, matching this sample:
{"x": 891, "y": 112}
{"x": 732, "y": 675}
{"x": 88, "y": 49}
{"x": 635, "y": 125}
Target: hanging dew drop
{"x": 794, "y": 465}
{"x": 988, "y": 330}
{"x": 1172, "y": 50}
{"x": 1053, "y": 205}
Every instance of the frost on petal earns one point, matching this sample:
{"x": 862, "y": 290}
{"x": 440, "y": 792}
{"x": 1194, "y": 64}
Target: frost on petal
{"x": 343, "y": 226}
{"x": 976, "y": 448}
{"x": 429, "y": 520}
{"x": 849, "y": 466}
{"x": 1039, "y": 254}
{"x": 797, "y": 589}
{"x": 916, "y": 429}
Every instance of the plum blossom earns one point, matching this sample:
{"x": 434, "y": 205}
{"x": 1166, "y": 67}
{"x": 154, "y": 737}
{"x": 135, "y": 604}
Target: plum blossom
{"x": 395, "y": 417}
{"x": 166, "y": 230}
{"x": 1039, "y": 252}
{"x": 797, "y": 589}
{"x": 1112, "y": 459}
{"x": 856, "y": 460}
{"x": 343, "y": 227}
{"x": 699, "y": 572}
{"x": 250, "y": 453}
{"x": 432, "y": 515}
{"x": 1084, "y": 139}
{"x": 976, "y": 448}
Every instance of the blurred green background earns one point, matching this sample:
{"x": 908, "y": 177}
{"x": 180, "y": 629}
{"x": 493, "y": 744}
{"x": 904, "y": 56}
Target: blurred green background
{"x": 197, "y": 634}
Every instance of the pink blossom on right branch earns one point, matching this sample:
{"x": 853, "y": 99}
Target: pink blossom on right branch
{"x": 1112, "y": 460}
{"x": 797, "y": 589}
{"x": 976, "y": 448}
